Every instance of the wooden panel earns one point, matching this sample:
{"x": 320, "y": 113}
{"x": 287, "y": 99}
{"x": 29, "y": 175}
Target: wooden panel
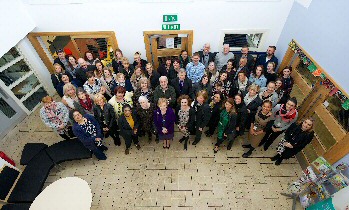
{"x": 37, "y": 46}
{"x": 302, "y": 160}
{"x": 147, "y": 48}
{"x": 319, "y": 148}
{"x": 168, "y": 52}
{"x": 302, "y": 84}
{"x": 154, "y": 49}
{"x": 338, "y": 151}
{"x": 287, "y": 58}
{"x": 310, "y": 153}
{"x": 184, "y": 42}
{"x": 331, "y": 123}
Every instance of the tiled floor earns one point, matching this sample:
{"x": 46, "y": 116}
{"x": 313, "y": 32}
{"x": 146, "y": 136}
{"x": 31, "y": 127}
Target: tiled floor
{"x": 155, "y": 178}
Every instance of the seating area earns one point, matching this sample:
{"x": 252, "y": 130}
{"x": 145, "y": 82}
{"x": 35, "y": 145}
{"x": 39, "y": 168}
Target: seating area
{"x": 39, "y": 159}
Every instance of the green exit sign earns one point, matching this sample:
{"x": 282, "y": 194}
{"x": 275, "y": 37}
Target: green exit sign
{"x": 171, "y": 27}
{"x": 170, "y": 18}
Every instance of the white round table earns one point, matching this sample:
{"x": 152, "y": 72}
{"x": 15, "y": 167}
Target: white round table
{"x": 66, "y": 193}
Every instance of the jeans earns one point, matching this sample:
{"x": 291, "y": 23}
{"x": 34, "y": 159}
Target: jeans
{"x": 99, "y": 154}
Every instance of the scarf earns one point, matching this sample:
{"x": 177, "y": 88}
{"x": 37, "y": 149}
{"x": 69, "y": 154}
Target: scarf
{"x": 87, "y": 105}
{"x": 249, "y": 99}
{"x": 286, "y": 116}
{"x": 54, "y": 114}
{"x": 242, "y": 85}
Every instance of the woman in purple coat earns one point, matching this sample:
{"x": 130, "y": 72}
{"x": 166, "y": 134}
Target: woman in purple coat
{"x": 164, "y": 120}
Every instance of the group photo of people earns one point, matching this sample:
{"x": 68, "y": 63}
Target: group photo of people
{"x": 220, "y": 95}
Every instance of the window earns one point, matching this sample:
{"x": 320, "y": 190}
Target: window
{"x": 237, "y": 39}
{"x": 18, "y": 78}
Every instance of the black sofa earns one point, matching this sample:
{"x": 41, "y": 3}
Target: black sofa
{"x": 40, "y": 159}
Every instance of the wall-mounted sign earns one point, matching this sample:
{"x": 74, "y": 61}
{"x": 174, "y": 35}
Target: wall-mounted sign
{"x": 170, "y": 18}
{"x": 171, "y": 27}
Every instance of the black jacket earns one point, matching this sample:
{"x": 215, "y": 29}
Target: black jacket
{"x": 241, "y": 118}
{"x": 235, "y": 88}
{"x": 249, "y": 64}
{"x": 116, "y": 66}
{"x": 202, "y": 114}
{"x": 230, "y": 128}
{"x": 154, "y": 79}
{"x": 107, "y": 113}
{"x": 127, "y": 74}
{"x": 125, "y": 129}
{"x": 199, "y": 86}
{"x": 261, "y": 61}
{"x": 57, "y": 60}
{"x": 81, "y": 73}
{"x": 143, "y": 64}
{"x": 211, "y": 57}
{"x": 170, "y": 74}
{"x": 187, "y": 87}
{"x": 297, "y": 138}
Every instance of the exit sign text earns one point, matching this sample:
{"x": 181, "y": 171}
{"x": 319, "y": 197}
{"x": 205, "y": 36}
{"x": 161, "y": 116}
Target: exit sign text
{"x": 171, "y": 27}
{"x": 169, "y": 18}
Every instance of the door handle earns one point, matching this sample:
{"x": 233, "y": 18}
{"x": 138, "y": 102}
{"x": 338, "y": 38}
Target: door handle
{"x": 2, "y": 92}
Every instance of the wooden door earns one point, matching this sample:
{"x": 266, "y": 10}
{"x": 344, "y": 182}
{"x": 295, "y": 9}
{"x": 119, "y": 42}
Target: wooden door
{"x": 331, "y": 134}
{"x": 157, "y": 48}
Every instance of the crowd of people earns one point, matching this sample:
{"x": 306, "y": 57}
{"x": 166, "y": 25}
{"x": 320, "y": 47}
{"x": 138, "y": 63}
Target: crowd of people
{"x": 233, "y": 94}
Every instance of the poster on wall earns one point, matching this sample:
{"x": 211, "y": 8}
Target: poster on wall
{"x": 169, "y": 42}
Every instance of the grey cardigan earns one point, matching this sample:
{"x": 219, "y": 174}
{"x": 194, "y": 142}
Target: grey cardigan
{"x": 273, "y": 97}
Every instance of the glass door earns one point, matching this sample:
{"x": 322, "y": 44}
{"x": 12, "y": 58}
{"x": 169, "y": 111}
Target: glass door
{"x": 10, "y": 113}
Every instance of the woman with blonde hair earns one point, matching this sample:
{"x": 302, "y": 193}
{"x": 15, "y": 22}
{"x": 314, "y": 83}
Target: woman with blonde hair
{"x": 202, "y": 114}
{"x": 143, "y": 89}
{"x": 121, "y": 81}
{"x": 212, "y": 72}
{"x": 252, "y": 102}
{"x": 164, "y": 120}
{"x": 56, "y": 77}
{"x": 138, "y": 61}
{"x": 56, "y": 116}
{"x": 126, "y": 68}
{"x": 136, "y": 76}
{"x": 105, "y": 115}
{"x": 297, "y": 136}
{"x": 70, "y": 96}
{"x": 152, "y": 75}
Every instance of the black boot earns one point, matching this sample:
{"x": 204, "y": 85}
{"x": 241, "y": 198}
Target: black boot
{"x": 186, "y": 142}
{"x": 117, "y": 141}
{"x": 195, "y": 142}
{"x": 248, "y": 153}
{"x": 149, "y": 137}
{"x": 278, "y": 161}
{"x": 246, "y": 146}
{"x": 277, "y": 156}
{"x": 230, "y": 144}
{"x": 181, "y": 139}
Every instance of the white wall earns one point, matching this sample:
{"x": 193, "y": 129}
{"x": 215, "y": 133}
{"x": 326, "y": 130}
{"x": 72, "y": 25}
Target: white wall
{"x": 130, "y": 19}
{"x": 322, "y": 30}
{"x": 15, "y": 24}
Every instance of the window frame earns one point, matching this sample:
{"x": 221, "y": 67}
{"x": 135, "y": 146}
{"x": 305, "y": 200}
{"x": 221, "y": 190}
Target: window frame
{"x": 261, "y": 46}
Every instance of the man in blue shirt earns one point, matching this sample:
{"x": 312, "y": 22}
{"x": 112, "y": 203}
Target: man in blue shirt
{"x": 195, "y": 69}
{"x": 267, "y": 57}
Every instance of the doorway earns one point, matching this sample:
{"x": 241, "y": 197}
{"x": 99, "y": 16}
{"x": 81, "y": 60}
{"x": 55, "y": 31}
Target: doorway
{"x": 10, "y": 113}
{"x": 101, "y": 44}
{"x": 162, "y": 44}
